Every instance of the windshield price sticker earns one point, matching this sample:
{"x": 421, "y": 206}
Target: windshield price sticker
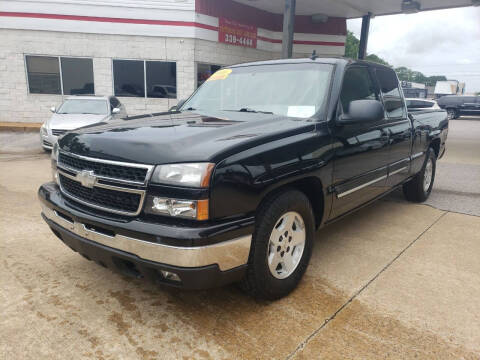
{"x": 301, "y": 111}
{"x": 234, "y": 33}
{"x": 220, "y": 75}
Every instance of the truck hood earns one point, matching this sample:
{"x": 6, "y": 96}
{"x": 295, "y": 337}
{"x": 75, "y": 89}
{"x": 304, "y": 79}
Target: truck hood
{"x": 74, "y": 121}
{"x": 180, "y": 137}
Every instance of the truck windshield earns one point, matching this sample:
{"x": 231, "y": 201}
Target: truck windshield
{"x": 293, "y": 90}
{"x": 84, "y": 106}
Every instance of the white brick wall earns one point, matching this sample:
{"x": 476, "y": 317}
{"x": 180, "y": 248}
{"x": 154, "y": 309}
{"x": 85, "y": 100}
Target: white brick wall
{"x": 16, "y": 104}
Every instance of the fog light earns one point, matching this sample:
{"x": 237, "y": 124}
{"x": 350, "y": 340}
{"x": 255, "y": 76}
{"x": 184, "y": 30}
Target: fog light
{"x": 170, "y": 275}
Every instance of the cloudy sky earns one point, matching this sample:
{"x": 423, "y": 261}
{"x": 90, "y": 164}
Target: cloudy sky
{"x": 442, "y": 42}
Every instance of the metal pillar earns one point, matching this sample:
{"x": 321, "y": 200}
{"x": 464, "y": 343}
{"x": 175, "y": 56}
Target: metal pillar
{"x": 288, "y": 28}
{"x": 362, "y": 49}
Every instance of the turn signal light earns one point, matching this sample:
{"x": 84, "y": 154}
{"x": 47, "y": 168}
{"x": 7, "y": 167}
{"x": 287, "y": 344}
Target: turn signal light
{"x": 202, "y": 210}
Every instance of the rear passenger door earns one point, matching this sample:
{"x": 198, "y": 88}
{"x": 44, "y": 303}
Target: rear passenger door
{"x": 361, "y": 149}
{"x": 398, "y": 126}
{"x": 471, "y": 105}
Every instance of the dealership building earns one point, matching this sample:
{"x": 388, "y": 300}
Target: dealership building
{"x": 148, "y": 53}
{"x": 152, "y": 53}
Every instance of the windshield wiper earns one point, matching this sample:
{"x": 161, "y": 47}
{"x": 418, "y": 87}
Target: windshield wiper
{"x": 250, "y": 110}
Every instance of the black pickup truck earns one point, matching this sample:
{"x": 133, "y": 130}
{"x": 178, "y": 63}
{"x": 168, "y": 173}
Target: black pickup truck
{"x": 232, "y": 186}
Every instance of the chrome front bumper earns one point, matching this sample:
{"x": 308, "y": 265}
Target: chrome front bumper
{"x": 227, "y": 254}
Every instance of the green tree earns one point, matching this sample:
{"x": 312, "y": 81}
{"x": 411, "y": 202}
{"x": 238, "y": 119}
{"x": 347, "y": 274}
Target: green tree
{"x": 404, "y": 73}
{"x": 432, "y": 80}
{"x": 351, "y": 46}
{"x": 376, "y": 59}
{"x": 351, "y": 51}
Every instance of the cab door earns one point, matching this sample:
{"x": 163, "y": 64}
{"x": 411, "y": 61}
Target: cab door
{"x": 398, "y": 125}
{"x": 361, "y": 149}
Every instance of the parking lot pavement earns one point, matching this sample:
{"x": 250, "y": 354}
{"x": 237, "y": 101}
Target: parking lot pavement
{"x": 19, "y": 143}
{"x": 395, "y": 280}
{"x": 457, "y": 182}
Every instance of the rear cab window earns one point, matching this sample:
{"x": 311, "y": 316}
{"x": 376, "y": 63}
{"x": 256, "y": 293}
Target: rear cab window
{"x": 420, "y": 103}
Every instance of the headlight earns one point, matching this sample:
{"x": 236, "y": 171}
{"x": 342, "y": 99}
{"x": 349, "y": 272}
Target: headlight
{"x": 43, "y": 130}
{"x": 54, "y": 154}
{"x": 194, "y": 175}
{"x": 189, "y": 209}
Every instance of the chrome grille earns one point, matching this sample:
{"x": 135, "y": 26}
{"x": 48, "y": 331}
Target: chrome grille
{"x": 110, "y": 186}
{"x": 58, "y": 132}
{"x": 118, "y": 201}
{"x": 110, "y": 170}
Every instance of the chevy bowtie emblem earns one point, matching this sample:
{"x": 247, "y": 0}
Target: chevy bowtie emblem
{"x": 87, "y": 178}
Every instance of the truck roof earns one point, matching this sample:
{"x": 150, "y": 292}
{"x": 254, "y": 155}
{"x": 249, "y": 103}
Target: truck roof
{"x": 319, "y": 60}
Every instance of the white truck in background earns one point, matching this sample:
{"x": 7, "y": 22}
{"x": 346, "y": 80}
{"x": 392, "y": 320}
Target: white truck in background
{"x": 449, "y": 87}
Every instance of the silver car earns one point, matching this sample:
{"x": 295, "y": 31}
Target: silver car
{"x": 420, "y": 104}
{"x": 78, "y": 111}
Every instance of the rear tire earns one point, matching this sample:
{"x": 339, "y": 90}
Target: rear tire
{"x": 281, "y": 246}
{"x": 419, "y": 188}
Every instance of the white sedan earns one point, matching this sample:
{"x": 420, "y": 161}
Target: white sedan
{"x": 76, "y": 112}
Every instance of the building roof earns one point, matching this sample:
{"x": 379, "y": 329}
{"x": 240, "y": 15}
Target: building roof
{"x": 352, "y": 8}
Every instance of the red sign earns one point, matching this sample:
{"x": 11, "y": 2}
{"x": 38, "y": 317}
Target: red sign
{"x": 234, "y": 33}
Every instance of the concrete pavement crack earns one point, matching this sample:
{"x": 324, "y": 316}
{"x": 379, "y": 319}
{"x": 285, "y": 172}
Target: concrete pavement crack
{"x": 304, "y": 343}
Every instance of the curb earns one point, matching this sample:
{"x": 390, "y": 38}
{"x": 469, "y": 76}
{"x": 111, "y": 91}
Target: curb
{"x": 20, "y": 127}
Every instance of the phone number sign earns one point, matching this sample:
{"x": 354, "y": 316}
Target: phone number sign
{"x": 234, "y": 33}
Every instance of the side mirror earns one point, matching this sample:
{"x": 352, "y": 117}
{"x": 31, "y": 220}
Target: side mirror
{"x": 115, "y": 110}
{"x": 53, "y": 109}
{"x": 363, "y": 110}
{"x": 178, "y": 106}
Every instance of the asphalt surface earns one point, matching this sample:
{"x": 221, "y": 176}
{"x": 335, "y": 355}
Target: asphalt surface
{"x": 395, "y": 280}
{"x": 457, "y": 181}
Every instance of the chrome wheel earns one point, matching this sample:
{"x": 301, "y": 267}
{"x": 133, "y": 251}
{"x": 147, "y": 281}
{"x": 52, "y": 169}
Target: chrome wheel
{"x": 286, "y": 245}
{"x": 427, "y": 176}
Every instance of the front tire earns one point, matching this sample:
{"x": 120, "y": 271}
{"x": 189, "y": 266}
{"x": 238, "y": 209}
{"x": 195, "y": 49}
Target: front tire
{"x": 419, "y": 188}
{"x": 452, "y": 114}
{"x": 281, "y": 246}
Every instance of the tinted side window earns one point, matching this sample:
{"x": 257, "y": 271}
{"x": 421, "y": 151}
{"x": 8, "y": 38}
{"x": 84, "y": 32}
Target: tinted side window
{"x": 392, "y": 97}
{"x": 161, "y": 79}
{"x": 43, "y": 75}
{"x": 77, "y": 75}
{"x": 204, "y": 71}
{"x": 357, "y": 85}
{"x": 128, "y": 77}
